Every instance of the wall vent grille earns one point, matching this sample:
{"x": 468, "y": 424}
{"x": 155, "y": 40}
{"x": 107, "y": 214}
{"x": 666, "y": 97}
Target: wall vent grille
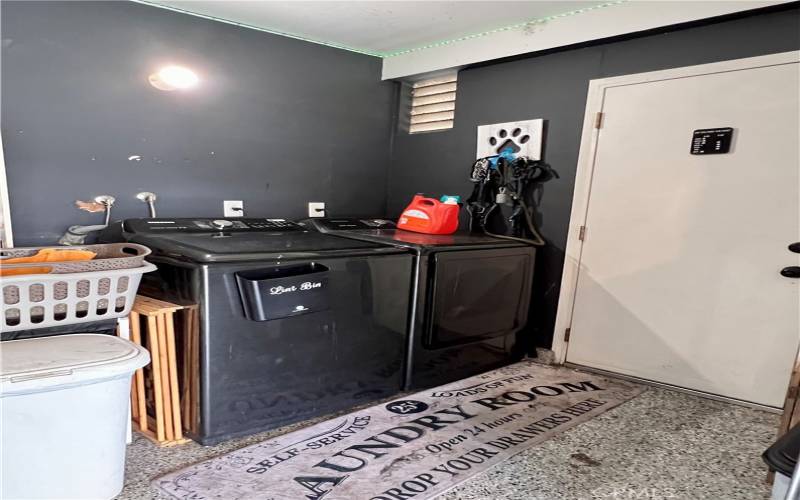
{"x": 433, "y": 104}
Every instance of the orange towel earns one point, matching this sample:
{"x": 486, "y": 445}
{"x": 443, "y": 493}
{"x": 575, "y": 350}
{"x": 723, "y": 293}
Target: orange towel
{"x": 44, "y": 255}
{"x": 17, "y": 271}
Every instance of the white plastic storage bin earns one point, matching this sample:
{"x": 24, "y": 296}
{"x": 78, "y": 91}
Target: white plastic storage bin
{"x": 780, "y": 486}
{"x": 64, "y": 404}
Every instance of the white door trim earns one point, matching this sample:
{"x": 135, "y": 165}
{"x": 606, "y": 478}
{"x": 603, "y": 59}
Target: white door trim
{"x": 585, "y": 168}
{"x": 5, "y": 209}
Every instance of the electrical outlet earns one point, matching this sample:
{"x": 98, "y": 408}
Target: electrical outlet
{"x": 316, "y": 209}
{"x": 233, "y": 208}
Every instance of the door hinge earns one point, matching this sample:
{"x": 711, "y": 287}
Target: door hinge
{"x": 582, "y": 233}
{"x": 567, "y": 333}
{"x": 598, "y": 119}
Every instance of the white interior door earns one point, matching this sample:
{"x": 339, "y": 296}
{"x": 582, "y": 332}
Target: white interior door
{"x": 678, "y": 278}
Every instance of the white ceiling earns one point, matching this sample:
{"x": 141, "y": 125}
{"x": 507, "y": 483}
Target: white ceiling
{"x": 377, "y": 27}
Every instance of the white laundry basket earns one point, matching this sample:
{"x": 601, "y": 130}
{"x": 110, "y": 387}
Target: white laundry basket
{"x": 47, "y": 300}
{"x": 64, "y": 404}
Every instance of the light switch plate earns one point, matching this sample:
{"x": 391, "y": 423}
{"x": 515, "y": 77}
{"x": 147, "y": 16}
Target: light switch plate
{"x": 233, "y": 208}
{"x": 316, "y": 209}
{"x": 523, "y": 137}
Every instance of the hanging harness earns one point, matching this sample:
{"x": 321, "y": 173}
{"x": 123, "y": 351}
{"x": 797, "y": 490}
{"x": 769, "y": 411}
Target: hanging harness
{"x": 506, "y": 180}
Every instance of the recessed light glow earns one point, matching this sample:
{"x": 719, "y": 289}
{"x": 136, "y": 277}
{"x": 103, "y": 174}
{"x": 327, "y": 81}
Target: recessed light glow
{"x": 174, "y": 78}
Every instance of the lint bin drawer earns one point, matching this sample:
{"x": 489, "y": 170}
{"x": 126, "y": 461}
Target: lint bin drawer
{"x": 283, "y": 291}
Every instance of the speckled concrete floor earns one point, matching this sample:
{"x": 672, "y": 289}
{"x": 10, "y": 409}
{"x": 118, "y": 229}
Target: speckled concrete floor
{"x": 660, "y": 445}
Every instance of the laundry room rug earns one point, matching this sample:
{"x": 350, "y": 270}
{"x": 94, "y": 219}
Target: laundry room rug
{"x": 417, "y": 446}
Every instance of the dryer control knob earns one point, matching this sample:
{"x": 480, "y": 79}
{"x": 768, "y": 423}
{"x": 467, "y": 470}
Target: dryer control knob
{"x": 221, "y": 224}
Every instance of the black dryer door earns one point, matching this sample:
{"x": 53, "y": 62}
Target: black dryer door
{"x": 477, "y": 294}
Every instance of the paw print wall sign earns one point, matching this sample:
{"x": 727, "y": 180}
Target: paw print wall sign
{"x": 524, "y": 138}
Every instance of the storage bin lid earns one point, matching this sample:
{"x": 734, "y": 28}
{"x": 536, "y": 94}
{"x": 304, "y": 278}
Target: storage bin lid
{"x": 46, "y": 363}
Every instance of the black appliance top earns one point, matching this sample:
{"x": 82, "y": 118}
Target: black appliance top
{"x": 386, "y": 232}
{"x": 237, "y": 240}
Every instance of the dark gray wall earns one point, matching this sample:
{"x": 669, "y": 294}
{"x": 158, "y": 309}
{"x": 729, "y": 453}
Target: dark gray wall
{"x": 554, "y": 87}
{"x": 276, "y": 122}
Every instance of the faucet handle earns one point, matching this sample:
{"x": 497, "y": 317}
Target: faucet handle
{"x": 150, "y": 199}
{"x": 108, "y": 202}
{"x": 105, "y": 199}
{"x": 146, "y": 196}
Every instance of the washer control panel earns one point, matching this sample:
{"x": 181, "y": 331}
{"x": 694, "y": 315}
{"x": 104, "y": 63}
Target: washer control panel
{"x": 190, "y": 225}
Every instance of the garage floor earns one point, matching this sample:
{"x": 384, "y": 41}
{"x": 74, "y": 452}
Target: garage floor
{"x": 660, "y": 445}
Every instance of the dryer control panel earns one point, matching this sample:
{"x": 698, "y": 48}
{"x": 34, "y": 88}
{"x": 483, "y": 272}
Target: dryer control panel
{"x": 324, "y": 224}
{"x": 191, "y": 225}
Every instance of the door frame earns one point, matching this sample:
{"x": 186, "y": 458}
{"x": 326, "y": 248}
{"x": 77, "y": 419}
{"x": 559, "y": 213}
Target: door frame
{"x": 7, "y": 239}
{"x": 585, "y": 170}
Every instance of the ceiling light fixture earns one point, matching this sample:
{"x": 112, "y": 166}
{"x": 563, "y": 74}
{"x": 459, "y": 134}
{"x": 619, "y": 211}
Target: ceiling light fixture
{"x": 174, "y": 78}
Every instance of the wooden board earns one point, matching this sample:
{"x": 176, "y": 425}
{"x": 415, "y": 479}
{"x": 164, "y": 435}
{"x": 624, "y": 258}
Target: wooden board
{"x": 791, "y": 409}
{"x": 164, "y": 397}
{"x": 150, "y": 306}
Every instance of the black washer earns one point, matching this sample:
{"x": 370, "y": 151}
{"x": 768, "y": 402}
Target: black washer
{"x": 293, "y": 324}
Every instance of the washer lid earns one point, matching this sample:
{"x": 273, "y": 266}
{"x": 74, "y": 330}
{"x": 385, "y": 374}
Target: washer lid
{"x": 45, "y": 362}
{"x": 236, "y": 247}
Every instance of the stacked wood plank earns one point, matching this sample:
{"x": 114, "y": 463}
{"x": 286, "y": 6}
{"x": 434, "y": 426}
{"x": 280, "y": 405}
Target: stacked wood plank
{"x": 791, "y": 407}
{"x": 164, "y": 394}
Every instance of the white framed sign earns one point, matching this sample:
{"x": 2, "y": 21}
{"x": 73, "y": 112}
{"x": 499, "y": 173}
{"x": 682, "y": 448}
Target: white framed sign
{"x": 523, "y": 138}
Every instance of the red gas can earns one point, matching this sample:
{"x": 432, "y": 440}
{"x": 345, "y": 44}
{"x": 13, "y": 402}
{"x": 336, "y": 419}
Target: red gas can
{"x": 427, "y": 215}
